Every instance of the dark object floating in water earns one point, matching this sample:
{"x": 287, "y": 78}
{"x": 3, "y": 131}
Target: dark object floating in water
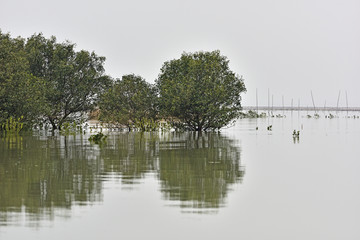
{"x": 97, "y": 138}
{"x": 296, "y": 133}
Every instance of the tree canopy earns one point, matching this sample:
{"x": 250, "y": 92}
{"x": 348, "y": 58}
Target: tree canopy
{"x": 44, "y": 81}
{"x": 199, "y": 91}
{"x": 20, "y": 91}
{"x": 74, "y": 79}
{"x": 129, "y": 100}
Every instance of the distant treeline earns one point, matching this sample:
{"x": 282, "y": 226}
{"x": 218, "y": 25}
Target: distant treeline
{"x": 44, "y": 83}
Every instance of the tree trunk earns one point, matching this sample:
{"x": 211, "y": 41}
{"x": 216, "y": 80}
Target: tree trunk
{"x": 54, "y": 127}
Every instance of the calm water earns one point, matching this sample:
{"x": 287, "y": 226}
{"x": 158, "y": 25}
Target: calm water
{"x": 242, "y": 183}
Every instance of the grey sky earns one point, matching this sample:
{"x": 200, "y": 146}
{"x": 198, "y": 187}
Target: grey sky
{"x": 289, "y": 46}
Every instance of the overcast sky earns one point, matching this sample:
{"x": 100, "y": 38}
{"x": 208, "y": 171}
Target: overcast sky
{"x": 291, "y": 47}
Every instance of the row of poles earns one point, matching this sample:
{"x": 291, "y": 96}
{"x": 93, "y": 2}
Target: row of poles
{"x": 292, "y": 101}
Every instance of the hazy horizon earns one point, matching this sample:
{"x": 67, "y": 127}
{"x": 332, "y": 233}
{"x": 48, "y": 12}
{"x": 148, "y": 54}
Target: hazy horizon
{"x": 289, "y": 47}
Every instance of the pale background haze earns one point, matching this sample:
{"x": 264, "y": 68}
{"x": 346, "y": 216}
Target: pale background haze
{"x": 291, "y": 47}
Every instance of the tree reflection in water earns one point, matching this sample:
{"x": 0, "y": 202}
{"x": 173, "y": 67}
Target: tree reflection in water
{"x": 198, "y": 169}
{"x": 40, "y": 175}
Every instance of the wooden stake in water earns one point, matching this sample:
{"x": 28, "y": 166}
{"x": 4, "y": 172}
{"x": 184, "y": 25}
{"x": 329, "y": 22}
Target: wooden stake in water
{"x": 257, "y": 106}
{"x": 298, "y": 107}
{"x": 283, "y": 105}
{"x": 312, "y": 97}
{"x": 268, "y": 102}
{"x": 272, "y": 104}
{"x": 347, "y": 105}
{"x": 337, "y": 105}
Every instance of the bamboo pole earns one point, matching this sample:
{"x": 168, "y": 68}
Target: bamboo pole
{"x": 347, "y": 105}
{"x": 312, "y": 97}
{"x": 337, "y": 105}
{"x": 257, "y": 105}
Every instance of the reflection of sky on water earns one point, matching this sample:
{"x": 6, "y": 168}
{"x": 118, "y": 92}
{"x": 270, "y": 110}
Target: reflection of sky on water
{"x": 307, "y": 190}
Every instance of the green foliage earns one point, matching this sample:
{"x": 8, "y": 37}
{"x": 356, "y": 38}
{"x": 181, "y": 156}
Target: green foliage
{"x": 151, "y": 125}
{"x": 146, "y": 125}
{"x": 296, "y": 133}
{"x": 73, "y": 79}
{"x": 331, "y": 116}
{"x": 296, "y": 136}
{"x": 199, "y": 92}
{"x": 253, "y": 114}
{"x": 48, "y": 82}
{"x": 98, "y": 138}
{"x": 68, "y": 128}
{"x": 12, "y": 125}
{"x": 131, "y": 102}
{"x": 262, "y": 115}
{"x": 21, "y": 93}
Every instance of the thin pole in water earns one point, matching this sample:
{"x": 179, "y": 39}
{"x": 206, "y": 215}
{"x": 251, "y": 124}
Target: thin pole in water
{"x": 312, "y": 97}
{"x": 283, "y": 105}
{"x": 347, "y": 105}
{"x": 299, "y": 107}
{"x": 268, "y": 101}
{"x": 257, "y": 106}
{"x": 337, "y": 105}
{"x": 272, "y": 104}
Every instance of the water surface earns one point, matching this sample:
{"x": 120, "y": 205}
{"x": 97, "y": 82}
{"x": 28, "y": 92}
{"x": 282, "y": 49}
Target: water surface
{"x": 240, "y": 183}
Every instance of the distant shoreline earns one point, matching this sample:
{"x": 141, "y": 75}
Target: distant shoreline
{"x": 289, "y": 108}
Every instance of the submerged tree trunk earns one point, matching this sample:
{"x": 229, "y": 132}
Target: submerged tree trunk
{"x": 53, "y": 124}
